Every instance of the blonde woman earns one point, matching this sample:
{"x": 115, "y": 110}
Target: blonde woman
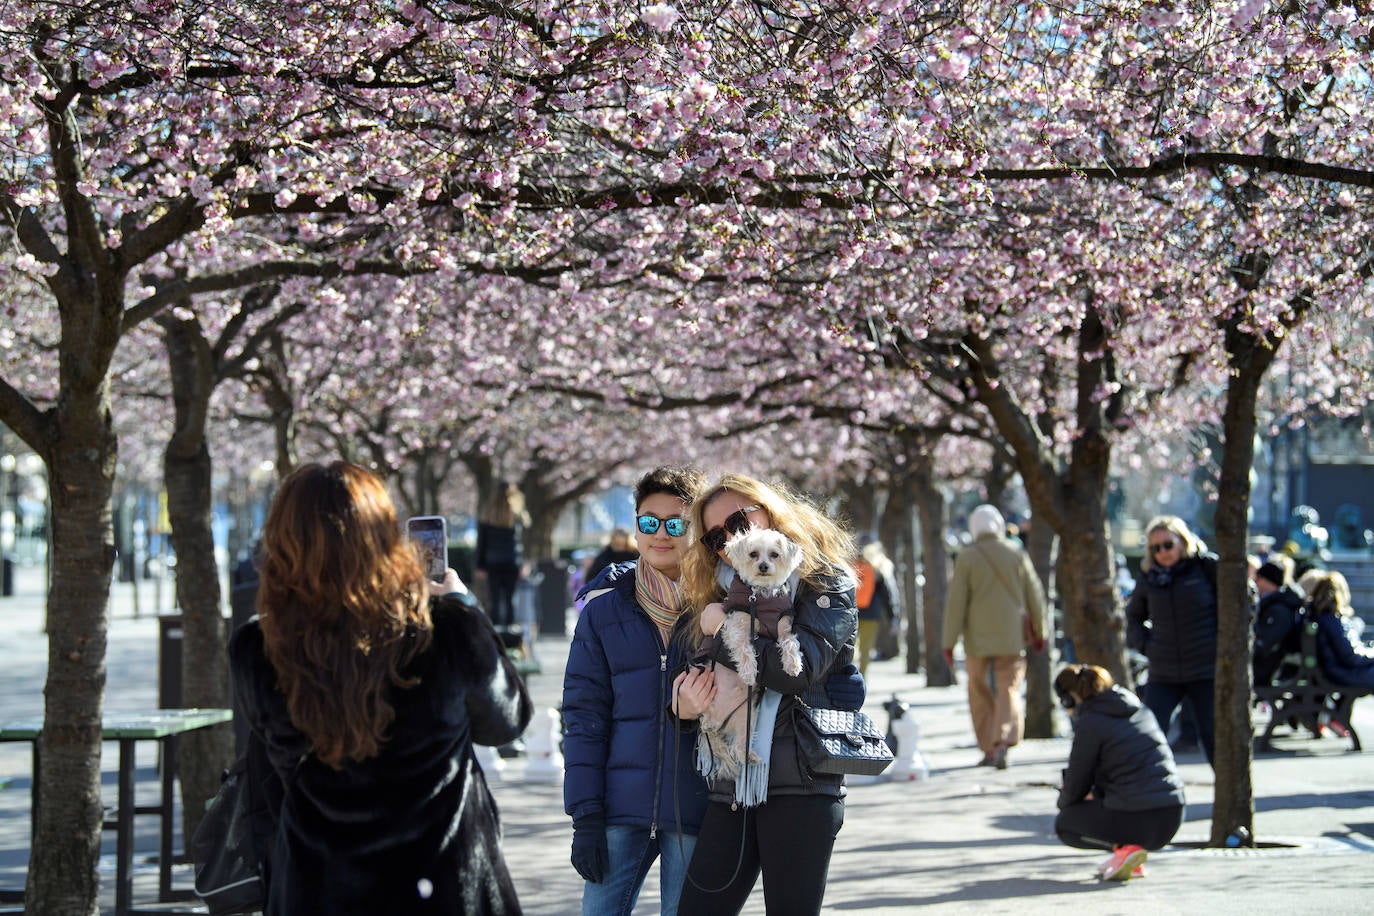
{"x": 1341, "y": 658}
{"x": 1177, "y": 594}
{"x": 789, "y": 839}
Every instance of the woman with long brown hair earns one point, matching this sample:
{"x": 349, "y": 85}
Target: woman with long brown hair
{"x": 367, "y": 694}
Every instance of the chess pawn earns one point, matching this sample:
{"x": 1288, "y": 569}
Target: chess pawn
{"x": 909, "y": 764}
{"x": 544, "y": 760}
{"x": 491, "y": 762}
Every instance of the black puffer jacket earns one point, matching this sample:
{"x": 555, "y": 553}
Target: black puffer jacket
{"x": 1181, "y": 605}
{"x": 826, "y": 623}
{"x": 1120, "y": 755}
{"x": 1276, "y": 631}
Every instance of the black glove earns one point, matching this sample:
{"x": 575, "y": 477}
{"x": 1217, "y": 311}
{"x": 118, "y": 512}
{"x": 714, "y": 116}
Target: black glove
{"x": 590, "y": 855}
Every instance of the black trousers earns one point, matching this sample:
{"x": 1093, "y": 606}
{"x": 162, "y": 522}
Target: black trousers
{"x": 1163, "y": 699}
{"x": 1090, "y": 825}
{"x": 501, "y": 583}
{"x": 789, "y": 838}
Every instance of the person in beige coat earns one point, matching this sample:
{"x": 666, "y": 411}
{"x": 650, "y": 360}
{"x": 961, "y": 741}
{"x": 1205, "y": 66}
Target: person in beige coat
{"x": 997, "y": 607}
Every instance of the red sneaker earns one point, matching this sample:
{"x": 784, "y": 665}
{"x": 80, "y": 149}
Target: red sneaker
{"x": 1124, "y": 860}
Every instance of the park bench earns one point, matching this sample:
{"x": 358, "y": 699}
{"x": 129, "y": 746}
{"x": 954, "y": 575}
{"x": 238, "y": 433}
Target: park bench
{"x": 1309, "y": 699}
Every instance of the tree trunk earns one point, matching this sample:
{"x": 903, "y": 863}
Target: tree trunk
{"x": 204, "y": 659}
{"x": 540, "y": 502}
{"x": 896, "y": 532}
{"x": 1040, "y": 718}
{"x": 1093, "y": 618}
{"x": 1072, "y": 501}
{"x": 934, "y": 516}
{"x": 62, "y": 877}
{"x": 860, "y": 504}
{"x": 1234, "y": 805}
{"x": 277, "y": 394}
{"x": 997, "y": 479}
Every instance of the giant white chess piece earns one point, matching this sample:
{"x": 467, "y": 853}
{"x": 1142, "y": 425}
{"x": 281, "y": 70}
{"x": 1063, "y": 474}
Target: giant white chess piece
{"x": 909, "y": 764}
{"x": 544, "y": 759}
{"x": 490, "y": 760}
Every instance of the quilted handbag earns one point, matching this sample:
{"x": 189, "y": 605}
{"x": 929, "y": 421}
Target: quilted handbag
{"x": 841, "y": 741}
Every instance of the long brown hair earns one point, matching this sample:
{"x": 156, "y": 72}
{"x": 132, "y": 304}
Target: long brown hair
{"x": 827, "y": 549}
{"x": 343, "y": 607}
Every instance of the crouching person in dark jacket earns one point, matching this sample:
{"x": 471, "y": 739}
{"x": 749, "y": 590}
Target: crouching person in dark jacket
{"x": 1121, "y": 790}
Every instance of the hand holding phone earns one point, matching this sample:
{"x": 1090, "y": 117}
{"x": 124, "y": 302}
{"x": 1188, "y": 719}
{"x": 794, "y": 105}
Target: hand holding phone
{"x": 429, "y": 533}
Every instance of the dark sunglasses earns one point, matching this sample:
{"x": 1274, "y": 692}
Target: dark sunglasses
{"x": 735, "y": 523}
{"x": 1162, "y": 545}
{"x": 675, "y": 526}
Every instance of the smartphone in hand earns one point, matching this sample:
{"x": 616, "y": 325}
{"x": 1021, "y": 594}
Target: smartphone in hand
{"x": 430, "y": 536}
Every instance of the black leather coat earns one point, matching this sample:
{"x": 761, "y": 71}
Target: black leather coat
{"x": 414, "y": 829}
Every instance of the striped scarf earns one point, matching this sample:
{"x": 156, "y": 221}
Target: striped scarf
{"x": 659, "y": 596}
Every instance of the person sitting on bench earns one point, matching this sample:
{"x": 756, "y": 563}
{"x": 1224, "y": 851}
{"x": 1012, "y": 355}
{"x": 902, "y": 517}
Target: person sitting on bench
{"x": 1339, "y": 657}
{"x": 1276, "y": 624}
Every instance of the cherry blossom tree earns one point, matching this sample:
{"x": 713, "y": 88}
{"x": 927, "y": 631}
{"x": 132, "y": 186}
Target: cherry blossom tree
{"x": 789, "y": 191}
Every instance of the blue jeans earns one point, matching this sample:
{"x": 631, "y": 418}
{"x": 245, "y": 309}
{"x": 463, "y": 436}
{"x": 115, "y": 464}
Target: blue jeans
{"x": 631, "y": 854}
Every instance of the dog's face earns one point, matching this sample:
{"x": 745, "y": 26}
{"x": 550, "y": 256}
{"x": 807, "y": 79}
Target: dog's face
{"x": 762, "y": 557}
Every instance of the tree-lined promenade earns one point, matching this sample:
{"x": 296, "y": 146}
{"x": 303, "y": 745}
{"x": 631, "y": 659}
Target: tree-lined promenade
{"x": 876, "y": 246}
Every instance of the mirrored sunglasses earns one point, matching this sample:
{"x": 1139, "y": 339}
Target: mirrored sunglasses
{"x": 676, "y": 526}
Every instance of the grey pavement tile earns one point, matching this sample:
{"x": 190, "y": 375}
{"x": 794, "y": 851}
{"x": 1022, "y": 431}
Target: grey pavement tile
{"x": 966, "y": 840}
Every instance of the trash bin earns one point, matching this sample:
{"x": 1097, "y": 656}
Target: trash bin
{"x": 553, "y": 597}
{"x": 170, "y": 633}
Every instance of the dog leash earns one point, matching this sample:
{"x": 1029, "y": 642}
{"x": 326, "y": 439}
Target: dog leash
{"x": 749, "y": 735}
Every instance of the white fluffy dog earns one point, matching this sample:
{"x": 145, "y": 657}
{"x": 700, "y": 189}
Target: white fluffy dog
{"x": 764, "y": 560}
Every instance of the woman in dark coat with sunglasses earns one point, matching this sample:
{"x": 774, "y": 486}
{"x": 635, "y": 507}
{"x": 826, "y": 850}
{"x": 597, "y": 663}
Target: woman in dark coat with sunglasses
{"x": 1177, "y": 595}
{"x": 629, "y": 782}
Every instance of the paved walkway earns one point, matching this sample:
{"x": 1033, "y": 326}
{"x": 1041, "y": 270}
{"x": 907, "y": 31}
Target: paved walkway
{"x": 966, "y": 840}
{"x": 970, "y": 839}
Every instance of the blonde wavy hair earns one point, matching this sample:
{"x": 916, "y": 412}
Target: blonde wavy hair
{"x": 1179, "y": 529}
{"x": 1330, "y": 595}
{"x": 827, "y": 548}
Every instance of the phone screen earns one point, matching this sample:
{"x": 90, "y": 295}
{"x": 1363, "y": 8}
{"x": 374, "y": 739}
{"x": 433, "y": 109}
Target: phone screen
{"x": 430, "y": 535}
